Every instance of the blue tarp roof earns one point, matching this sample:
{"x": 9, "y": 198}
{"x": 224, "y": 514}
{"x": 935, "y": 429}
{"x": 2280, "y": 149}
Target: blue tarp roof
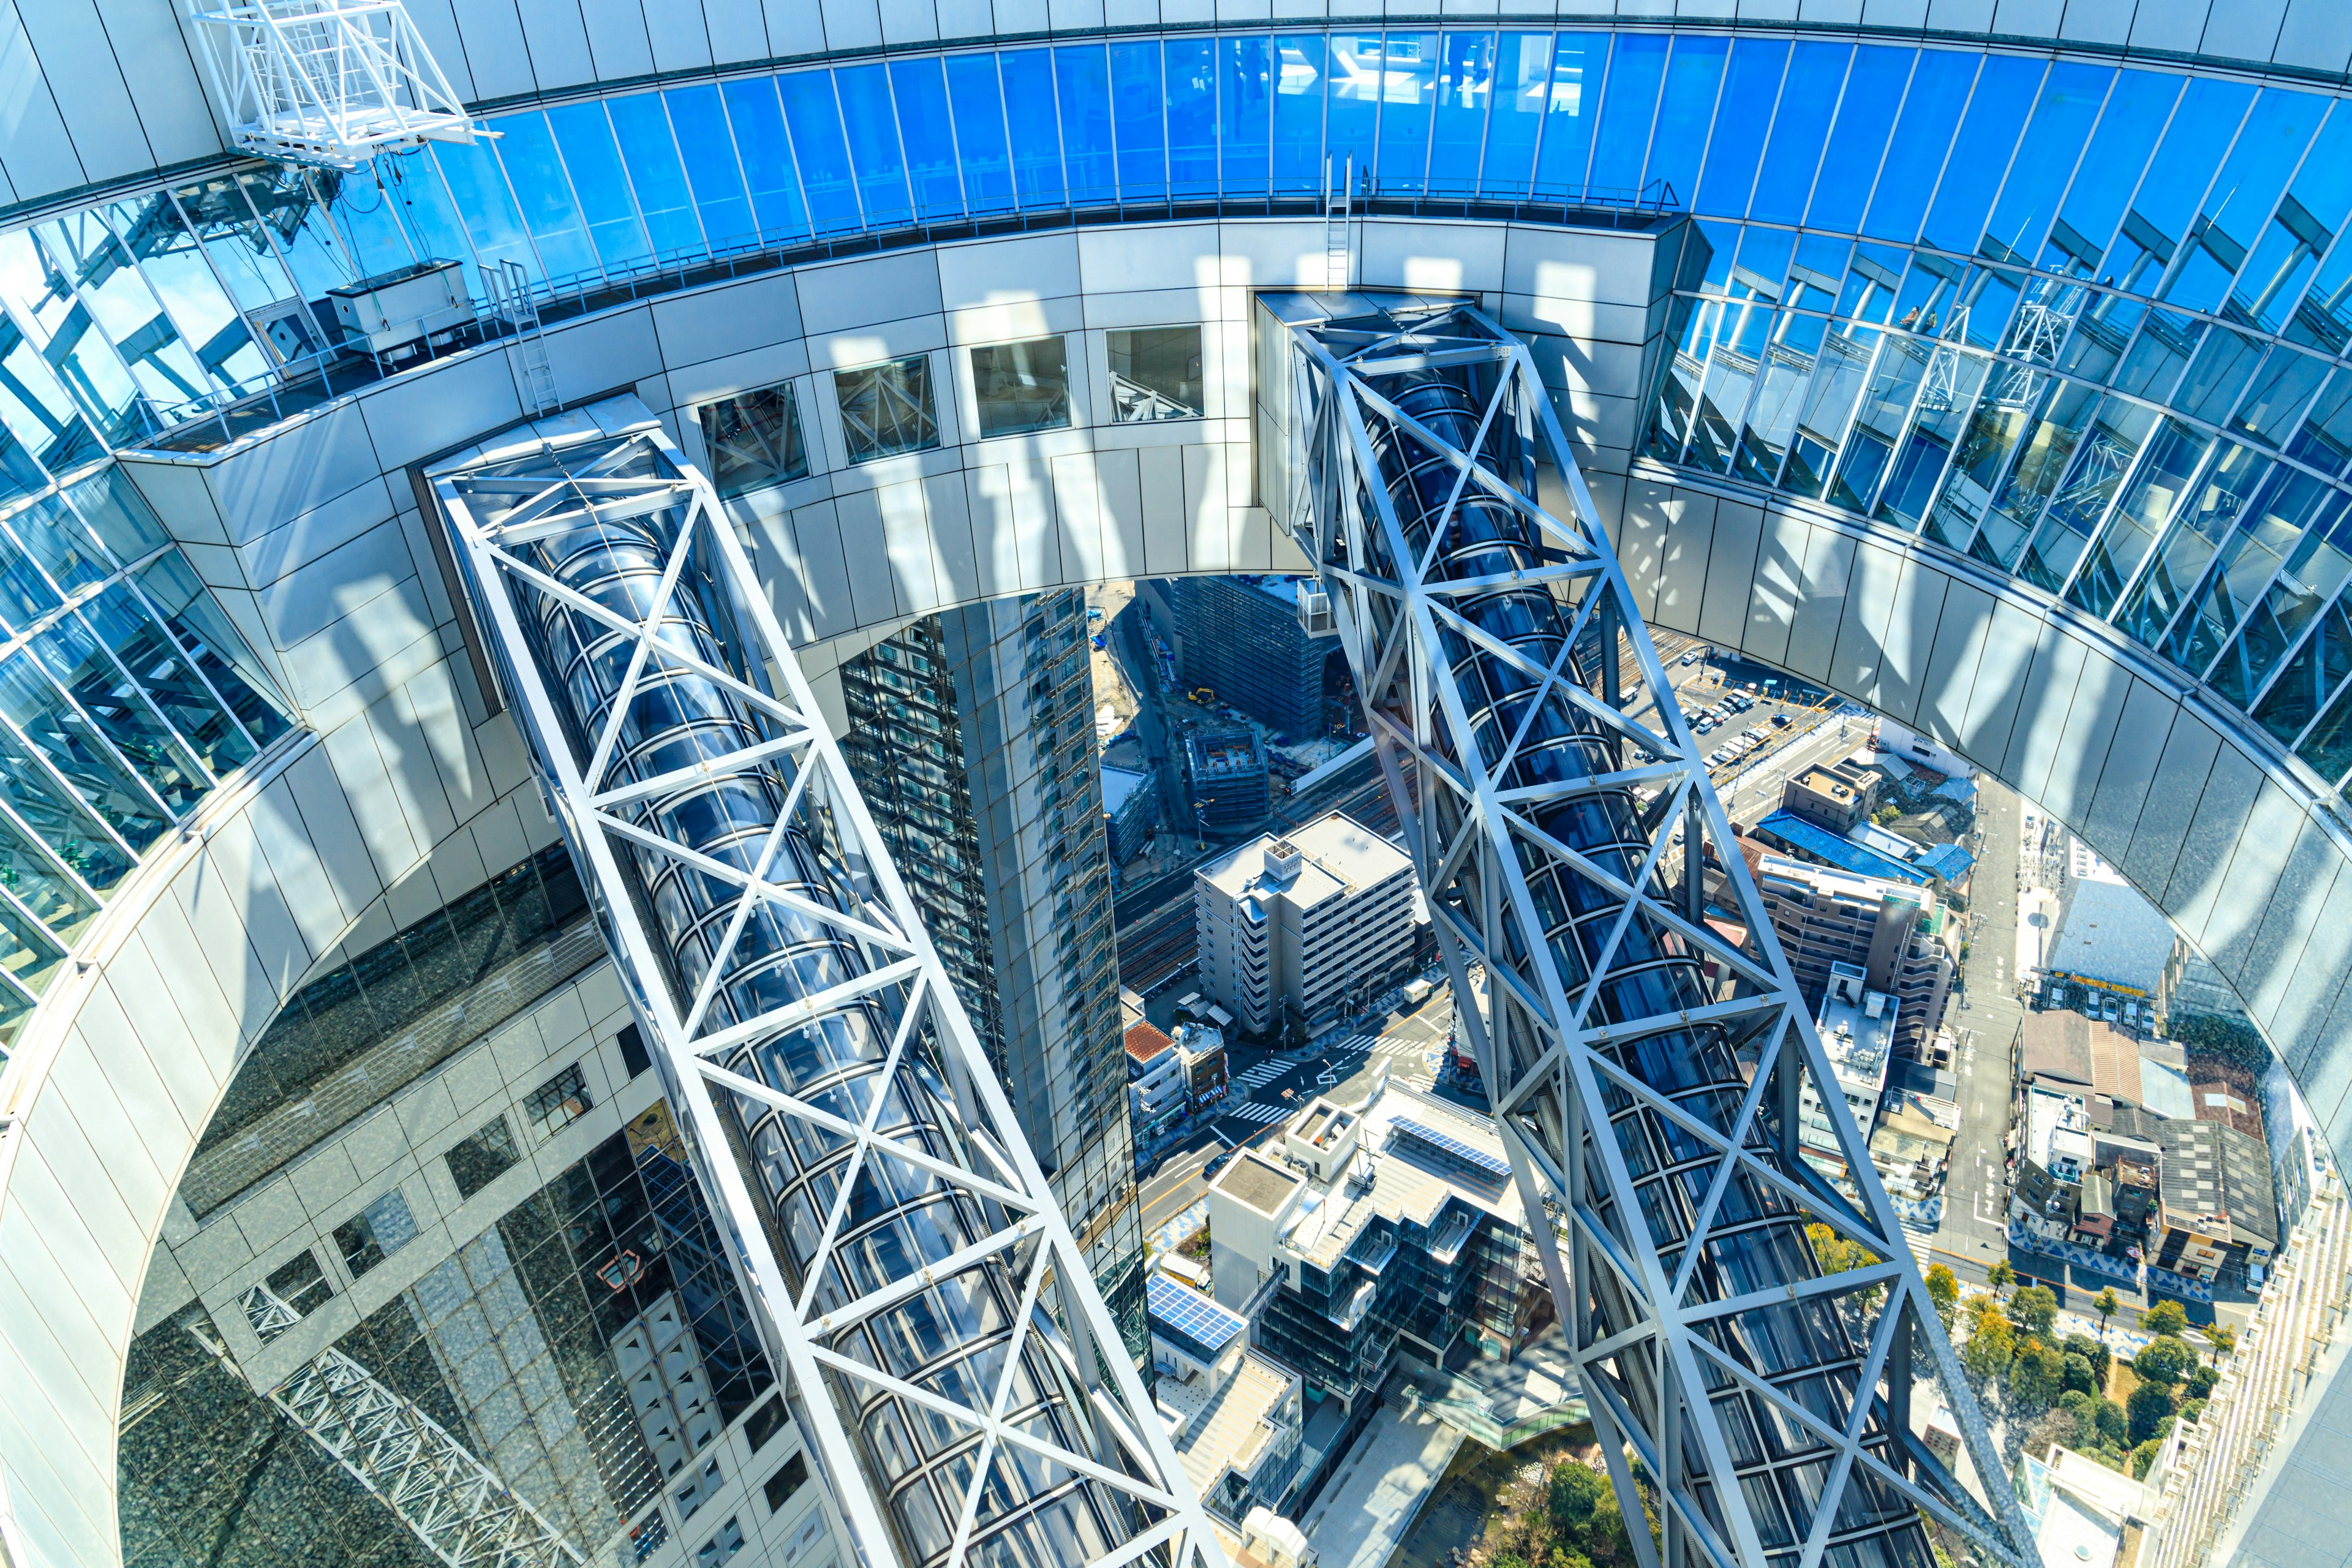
{"x": 1961, "y": 790}
{"x": 1948, "y": 861}
{"x": 1808, "y": 838}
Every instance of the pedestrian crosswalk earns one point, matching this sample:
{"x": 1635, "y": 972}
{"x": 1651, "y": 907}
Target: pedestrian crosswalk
{"x": 1264, "y": 1072}
{"x": 1273, "y": 1110}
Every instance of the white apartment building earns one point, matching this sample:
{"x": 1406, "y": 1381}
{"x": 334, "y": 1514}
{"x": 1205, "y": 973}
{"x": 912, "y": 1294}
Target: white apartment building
{"x": 1307, "y": 922}
{"x": 1857, "y": 1029}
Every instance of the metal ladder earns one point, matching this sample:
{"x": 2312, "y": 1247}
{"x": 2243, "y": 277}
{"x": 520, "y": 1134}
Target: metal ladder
{"x": 1337, "y": 208}
{"x": 510, "y": 297}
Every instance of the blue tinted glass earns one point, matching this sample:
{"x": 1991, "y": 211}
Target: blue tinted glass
{"x": 2185, "y": 161}
{"x": 1564, "y": 147}
{"x": 1351, "y": 108}
{"x": 767, "y": 157}
{"x": 2128, "y": 127}
{"x": 1858, "y": 140}
{"x": 368, "y": 220}
{"x": 2282, "y": 262}
{"x": 1036, "y": 127}
{"x": 1686, "y": 113}
{"x": 2323, "y": 186}
{"x": 923, "y": 123}
{"x": 480, "y": 189}
{"x": 1808, "y": 99}
{"x": 1637, "y": 64}
{"x": 1466, "y": 83}
{"x": 2070, "y": 101}
{"x": 1764, "y": 261}
{"x": 1298, "y": 113}
{"x": 1931, "y": 109}
{"x": 1246, "y": 115}
{"x": 868, "y": 117}
{"x": 817, "y": 147}
{"x": 582, "y": 131}
{"x": 1135, "y": 97}
{"x": 980, "y": 132}
{"x": 1408, "y": 83}
{"x": 2248, "y": 189}
{"x": 708, "y": 149}
{"x": 651, "y": 154}
{"x": 1082, "y": 75}
{"x": 1522, "y": 88}
{"x": 1748, "y": 92}
{"x": 2004, "y": 95}
{"x": 526, "y": 148}
{"x": 1192, "y": 116}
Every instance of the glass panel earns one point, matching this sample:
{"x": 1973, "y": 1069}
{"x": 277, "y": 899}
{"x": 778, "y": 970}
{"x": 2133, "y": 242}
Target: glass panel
{"x": 1089, "y": 161}
{"x": 927, "y": 131}
{"x": 2324, "y": 320}
{"x": 706, "y": 144}
{"x": 2317, "y": 566}
{"x": 871, "y": 123}
{"x": 2325, "y": 440}
{"x": 766, "y": 157}
{"x": 2156, "y": 488}
{"x": 37, "y": 707}
{"x": 115, "y": 511}
{"x": 1298, "y": 114}
{"x": 2100, "y": 461}
{"x": 887, "y": 408}
{"x": 2328, "y": 747}
{"x": 28, "y": 953}
{"x": 2165, "y": 345}
{"x": 1565, "y": 146}
{"x": 2111, "y": 169}
{"x": 159, "y": 240}
{"x": 1857, "y": 146}
{"x": 366, "y": 214}
{"x": 240, "y": 253}
{"x": 60, "y": 819}
{"x": 1946, "y": 396}
{"x": 202, "y": 628}
{"x": 37, "y": 411}
{"x": 53, "y": 534}
{"x": 1686, "y": 114}
{"x": 2309, "y": 674}
{"x": 1136, "y": 97}
{"x": 33, "y": 877}
{"x": 979, "y": 110}
{"x": 1750, "y": 92}
{"x": 2001, "y": 417}
{"x": 26, "y": 596}
{"x": 167, "y": 678}
{"x": 1771, "y": 420}
{"x": 1837, "y": 384}
{"x": 1637, "y": 68}
{"x": 2217, "y": 504}
{"x": 80, "y": 247}
{"x": 1730, "y": 378}
{"x": 2240, "y": 205}
{"x": 650, "y": 152}
{"x": 1685, "y": 373}
{"x": 2154, "y": 225}
{"x": 423, "y": 202}
{"x": 1996, "y": 113}
{"x": 1155, "y": 373}
{"x": 1035, "y": 125}
{"x": 526, "y": 148}
{"x": 1522, "y": 85}
{"x": 1408, "y": 95}
{"x": 123, "y": 713}
{"x": 2070, "y": 101}
{"x": 1886, "y": 406}
{"x": 2222, "y": 368}
{"x": 493, "y": 222}
{"x": 817, "y": 145}
{"x": 62, "y": 326}
{"x": 1351, "y": 108}
{"x": 585, "y": 137}
{"x": 285, "y": 202}
{"x": 1923, "y": 137}
{"x": 1465, "y": 91}
{"x": 2290, "y": 505}
{"x": 1808, "y": 99}
{"x": 1022, "y": 386}
{"x": 2278, "y": 395}
{"x": 1191, "y": 65}
{"x": 753, "y": 440}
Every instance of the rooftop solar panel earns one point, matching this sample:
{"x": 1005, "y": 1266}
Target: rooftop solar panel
{"x": 1476, "y": 1158}
{"x": 1191, "y": 1315}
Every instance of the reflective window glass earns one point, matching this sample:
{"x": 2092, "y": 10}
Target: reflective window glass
{"x": 123, "y": 713}
{"x": 767, "y": 158}
{"x": 2156, "y": 488}
{"x": 1750, "y": 92}
{"x": 1408, "y": 92}
{"x": 202, "y": 627}
{"x": 2268, "y": 533}
{"x": 986, "y": 165}
{"x": 823, "y": 155}
{"x": 159, "y": 239}
{"x": 1244, "y": 113}
{"x": 2308, "y": 218}
{"x": 1522, "y": 88}
{"x": 88, "y": 764}
{"x": 25, "y": 595}
{"x": 2325, "y": 440}
{"x": 2064, "y": 112}
{"x": 544, "y": 192}
{"x": 2238, "y": 209}
{"x": 1629, "y": 106}
{"x": 168, "y": 678}
{"x": 926, "y": 130}
{"x": 29, "y": 954}
{"x": 1866, "y": 112}
{"x": 285, "y": 201}
{"x": 60, "y": 818}
{"x": 2098, "y": 464}
{"x": 1807, "y": 100}
{"x": 90, "y": 258}
{"x": 53, "y": 534}
{"x": 602, "y": 185}
{"x": 2003, "y": 95}
{"x": 2317, "y": 564}
{"x": 2129, "y": 124}
{"x": 887, "y": 408}
{"x": 366, "y": 216}
{"x": 2166, "y": 344}
{"x": 2002, "y": 414}
{"x": 1924, "y": 138}
{"x": 1298, "y": 113}
{"x": 2223, "y": 367}
{"x": 1136, "y": 97}
{"x": 1082, "y": 79}
{"x": 2278, "y": 395}
{"x": 1022, "y": 386}
{"x": 707, "y": 145}
{"x": 2213, "y": 507}
{"x": 1839, "y": 374}
{"x": 1191, "y": 76}
{"x": 753, "y": 440}
{"x": 1155, "y": 373}
{"x": 2149, "y": 235}
{"x": 1564, "y": 141}
{"x": 1920, "y": 455}
{"x": 38, "y": 416}
{"x": 1351, "y": 108}
{"x": 115, "y": 511}
{"x": 649, "y": 150}
{"x": 2305, "y": 678}
{"x": 241, "y": 254}
{"x": 50, "y": 893}
{"x": 423, "y": 205}
{"x": 1465, "y": 91}
{"x": 1686, "y": 114}
{"x": 1771, "y": 419}
{"x": 1035, "y": 125}
{"x": 493, "y": 222}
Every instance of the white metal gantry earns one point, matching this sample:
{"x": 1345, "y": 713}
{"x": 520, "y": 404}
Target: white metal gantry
{"x": 1745, "y": 1310}
{"x": 328, "y": 82}
{"x": 950, "y": 1360}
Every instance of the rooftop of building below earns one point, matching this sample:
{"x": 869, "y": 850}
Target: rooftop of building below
{"x": 1331, "y": 858}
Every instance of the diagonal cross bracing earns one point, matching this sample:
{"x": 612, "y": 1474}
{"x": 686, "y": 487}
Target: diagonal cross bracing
{"x": 1746, "y": 1313}
{"x": 952, "y": 1362}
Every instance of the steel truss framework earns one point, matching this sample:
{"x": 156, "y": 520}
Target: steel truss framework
{"x": 1751, "y": 1325}
{"x": 955, "y": 1371}
{"x": 330, "y": 82}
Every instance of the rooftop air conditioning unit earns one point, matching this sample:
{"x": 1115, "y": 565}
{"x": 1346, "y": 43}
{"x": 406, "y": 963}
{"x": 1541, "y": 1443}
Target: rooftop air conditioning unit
{"x": 403, "y": 308}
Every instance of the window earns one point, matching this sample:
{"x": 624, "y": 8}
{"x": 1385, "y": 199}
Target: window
{"x": 753, "y": 440}
{"x": 648, "y": 1535}
{"x": 560, "y": 1101}
{"x": 765, "y": 1422}
{"x": 634, "y": 1059}
{"x": 1155, "y": 373}
{"x": 299, "y": 1285}
{"x": 478, "y": 1160}
{"x": 721, "y": 1547}
{"x": 886, "y": 408}
{"x": 697, "y": 1490}
{"x": 1022, "y": 386}
{"x": 385, "y": 1226}
{"x": 786, "y": 1481}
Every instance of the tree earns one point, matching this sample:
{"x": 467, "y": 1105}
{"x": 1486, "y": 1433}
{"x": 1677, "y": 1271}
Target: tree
{"x": 2149, "y": 1406}
{"x": 2035, "y": 1308}
{"x": 2165, "y": 1318}
{"x": 2079, "y": 1377}
{"x": 1986, "y": 1357}
{"x": 2200, "y": 1381}
{"x": 1944, "y": 1289}
{"x": 1577, "y": 1492}
{"x": 2222, "y": 1338}
{"x": 1836, "y": 1254}
{"x": 2167, "y": 1359}
{"x": 2000, "y": 1276}
{"x": 2107, "y": 1305}
{"x": 2114, "y": 1424}
{"x": 2090, "y": 1350}
{"x": 2036, "y": 1378}
{"x": 2144, "y": 1455}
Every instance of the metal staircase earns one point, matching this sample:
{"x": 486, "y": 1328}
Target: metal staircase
{"x": 1338, "y": 211}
